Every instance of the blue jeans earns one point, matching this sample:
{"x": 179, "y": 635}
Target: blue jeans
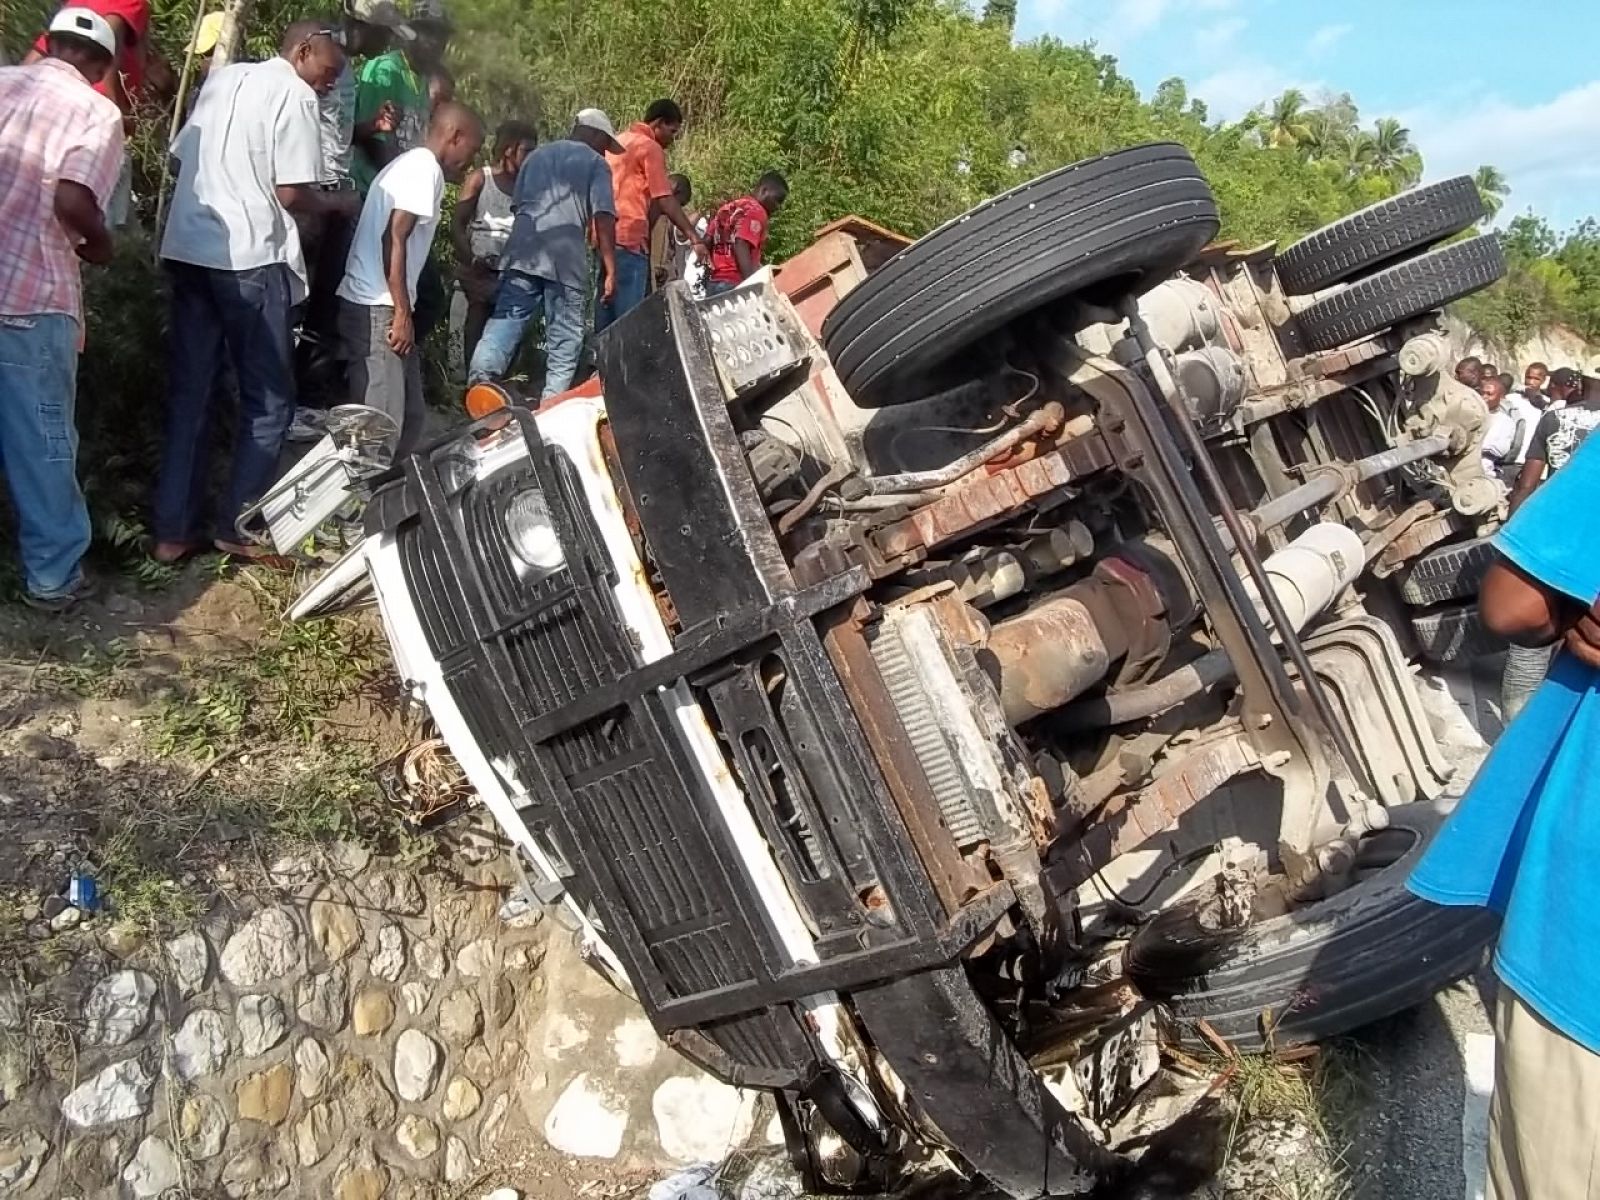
{"x": 633, "y": 283}
{"x": 246, "y": 315}
{"x": 521, "y": 298}
{"x": 39, "y": 448}
{"x": 714, "y": 288}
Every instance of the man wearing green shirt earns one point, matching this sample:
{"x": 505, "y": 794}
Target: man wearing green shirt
{"x": 397, "y": 82}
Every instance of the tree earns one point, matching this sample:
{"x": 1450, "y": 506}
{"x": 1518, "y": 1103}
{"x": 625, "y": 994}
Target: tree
{"x": 1286, "y": 120}
{"x": 1492, "y": 189}
{"x": 1001, "y": 14}
{"x": 1392, "y": 153}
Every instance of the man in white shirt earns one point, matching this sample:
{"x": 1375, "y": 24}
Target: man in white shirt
{"x": 248, "y": 158}
{"x": 1512, "y": 420}
{"x": 391, "y": 244}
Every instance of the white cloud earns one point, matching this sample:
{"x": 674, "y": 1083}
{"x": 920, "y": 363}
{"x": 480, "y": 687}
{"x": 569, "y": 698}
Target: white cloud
{"x": 1546, "y": 149}
{"x": 1214, "y": 39}
{"x": 1326, "y": 38}
{"x": 1235, "y": 90}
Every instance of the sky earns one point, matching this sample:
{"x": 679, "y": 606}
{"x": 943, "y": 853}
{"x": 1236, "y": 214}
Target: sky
{"x": 1476, "y": 81}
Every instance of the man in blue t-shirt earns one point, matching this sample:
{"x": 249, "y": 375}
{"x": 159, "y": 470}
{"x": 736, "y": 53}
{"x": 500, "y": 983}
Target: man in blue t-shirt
{"x": 1525, "y": 842}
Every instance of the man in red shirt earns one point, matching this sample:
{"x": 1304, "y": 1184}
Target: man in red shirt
{"x": 638, "y": 177}
{"x": 738, "y": 233}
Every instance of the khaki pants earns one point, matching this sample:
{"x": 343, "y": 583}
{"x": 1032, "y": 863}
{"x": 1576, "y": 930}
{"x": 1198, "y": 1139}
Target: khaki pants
{"x": 1544, "y": 1121}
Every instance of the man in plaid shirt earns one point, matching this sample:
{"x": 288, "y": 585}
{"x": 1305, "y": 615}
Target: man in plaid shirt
{"x": 60, "y": 151}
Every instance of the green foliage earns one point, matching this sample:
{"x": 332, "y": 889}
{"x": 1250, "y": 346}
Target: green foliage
{"x": 1550, "y": 279}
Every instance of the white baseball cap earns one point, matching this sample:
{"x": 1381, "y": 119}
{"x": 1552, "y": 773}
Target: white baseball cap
{"x": 84, "y": 23}
{"x": 594, "y": 118}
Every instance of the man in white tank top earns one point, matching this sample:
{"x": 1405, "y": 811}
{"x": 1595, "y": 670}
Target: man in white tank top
{"x": 482, "y": 223}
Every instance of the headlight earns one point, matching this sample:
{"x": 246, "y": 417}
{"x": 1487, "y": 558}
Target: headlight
{"x": 533, "y": 534}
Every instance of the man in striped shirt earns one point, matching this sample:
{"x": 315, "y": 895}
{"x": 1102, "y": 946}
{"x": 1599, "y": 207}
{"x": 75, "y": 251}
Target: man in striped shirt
{"x": 60, "y": 152}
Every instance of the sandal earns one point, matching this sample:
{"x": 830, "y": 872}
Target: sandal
{"x": 258, "y": 555}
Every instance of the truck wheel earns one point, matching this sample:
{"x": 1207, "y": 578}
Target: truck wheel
{"x": 1451, "y": 573}
{"x": 1406, "y": 290}
{"x": 1379, "y": 235}
{"x": 1115, "y": 225}
{"x": 1325, "y": 969}
{"x": 1454, "y": 633}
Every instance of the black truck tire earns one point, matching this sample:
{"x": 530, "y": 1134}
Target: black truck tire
{"x": 1110, "y": 226}
{"x": 1379, "y": 235}
{"x": 1451, "y": 634}
{"x": 1329, "y": 967}
{"x": 1408, "y": 289}
{"x": 1450, "y": 573}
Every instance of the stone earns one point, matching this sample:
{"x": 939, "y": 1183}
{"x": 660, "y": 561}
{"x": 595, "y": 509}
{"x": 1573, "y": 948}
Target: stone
{"x": 200, "y": 1047}
{"x": 362, "y": 1183}
{"x": 367, "y": 1103}
{"x": 416, "y": 1065}
{"x": 372, "y": 1012}
{"x": 418, "y": 1137}
{"x": 394, "y": 893}
{"x": 457, "y": 1160}
{"x": 189, "y": 959}
{"x": 494, "y": 1121}
{"x": 67, "y": 918}
{"x": 153, "y": 1170}
{"x": 502, "y": 1194}
{"x": 635, "y": 1043}
{"x": 265, "y": 1095}
{"x": 586, "y": 1121}
{"x": 120, "y": 1092}
{"x": 335, "y": 929}
{"x": 476, "y": 958}
{"x": 123, "y": 939}
{"x": 319, "y": 999}
{"x": 21, "y": 1156}
{"x": 312, "y": 1060}
{"x": 428, "y": 958}
{"x": 315, "y": 1134}
{"x": 118, "y": 1008}
{"x": 415, "y": 996}
{"x": 349, "y": 858}
{"x": 461, "y": 1099}
{"x": 15, "y": 1070}
{"x": 202, "y": 1127}
{"x": 460, "y": 1019}
{"x": 478, "y": 1061}
{"x": 525, "y": 957}
{"x": 291, "y": 871}
{"x": 699, "y": 1119}
{"x": 389, "y": 959}
{"x": 13, "y": 1008}
{"x": 254, "y": 1173}
{"x": 502, "y": 1002}
{"x": 261, "y": 1022}
{"x": 266, "y": 948}
{"x": 561, "y": 1035}
{"x": 521, "y": 912}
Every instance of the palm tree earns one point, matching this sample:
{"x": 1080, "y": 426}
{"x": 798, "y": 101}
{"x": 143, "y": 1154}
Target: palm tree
{"x": 1326, "y": 137}
{"x": 1286, "y": 120}
{"x": 1493, "y": 188}
{"x": 1394, "y": 155}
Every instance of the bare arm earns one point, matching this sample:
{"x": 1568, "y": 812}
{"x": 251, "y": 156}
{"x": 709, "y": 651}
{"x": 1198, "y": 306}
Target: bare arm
{"x": 605, "y": 237}
{"x": 745, "y": 255}
{"x": 79, "y": 214}
{"x": 675, "y": 214}
{"x": 1530, "y": 477}
{"x": 401, "y": 223}
{"x": 461, "y": 220}
{"x": 303, "y": 199}
{"x": 1520, "y": 609}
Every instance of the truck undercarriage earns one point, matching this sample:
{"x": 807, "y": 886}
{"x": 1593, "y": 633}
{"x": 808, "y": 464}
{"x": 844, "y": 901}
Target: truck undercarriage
{"x": 918, "y": 683}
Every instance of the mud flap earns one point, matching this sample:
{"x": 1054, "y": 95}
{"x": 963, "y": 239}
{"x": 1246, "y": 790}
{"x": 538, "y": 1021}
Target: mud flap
{"x": 963, "y": 1073}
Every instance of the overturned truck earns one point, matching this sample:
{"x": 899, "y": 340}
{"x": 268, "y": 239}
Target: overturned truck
{"x": 922, "y": 682}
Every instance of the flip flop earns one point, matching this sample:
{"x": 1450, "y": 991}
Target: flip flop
{"x": 259, "y": 555}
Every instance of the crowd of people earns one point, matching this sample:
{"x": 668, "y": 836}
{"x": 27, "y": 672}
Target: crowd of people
{"x": 299, "y": 248}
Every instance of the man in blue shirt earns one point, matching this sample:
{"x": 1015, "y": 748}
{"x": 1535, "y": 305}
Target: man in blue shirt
{"x": 563, "y": 192}
{"x": 1525, "y": 841}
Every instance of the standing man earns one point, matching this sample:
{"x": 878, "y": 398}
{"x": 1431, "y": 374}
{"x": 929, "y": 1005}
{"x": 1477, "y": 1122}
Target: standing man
{"x": 738, "y": 233}
{"x": 1534, "y": 379}
{"x": 639, "y": 179}
{"x": 379, "y": 291}
{"x": 563, "y": 190}
{"x": 669, "y": 248}
{"x": 60, "y": 151}
{"x": 480, "y": 227}
{"x": 1511, "y": 424}
{"x": 1521, "y": 843}
{"x": 392, "y": 104}
{"x": 1470, "y": 371}
{"x": 248, "y": 162}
